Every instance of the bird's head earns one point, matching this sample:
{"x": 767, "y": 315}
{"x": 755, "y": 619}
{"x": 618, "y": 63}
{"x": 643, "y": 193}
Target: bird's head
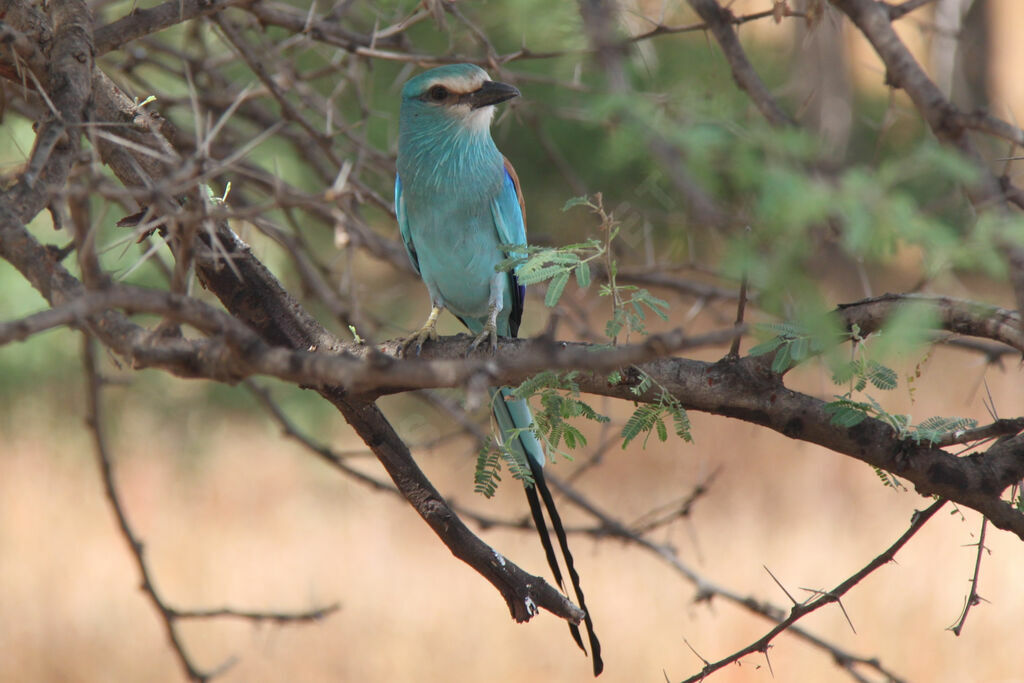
{"x": 462, "y": 93}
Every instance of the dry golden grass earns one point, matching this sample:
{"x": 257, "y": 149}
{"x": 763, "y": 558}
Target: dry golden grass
{"x": 254, "y": 522}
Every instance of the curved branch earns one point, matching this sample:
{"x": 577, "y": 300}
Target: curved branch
{"x": 959, "y": 316}
{"x": 142, "y": 22}
{"x": 720, "y": 22}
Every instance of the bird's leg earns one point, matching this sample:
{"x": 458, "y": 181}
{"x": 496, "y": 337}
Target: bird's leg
{"x": 495, "y": 301}
{"x": 428, "y": 331}
{"x": 490, "y": 331}
{"x": 494, "y": 305}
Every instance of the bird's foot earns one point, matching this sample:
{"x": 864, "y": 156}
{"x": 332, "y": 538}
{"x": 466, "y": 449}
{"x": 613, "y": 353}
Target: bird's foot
{"x": 490, "y": 332}
{"x": 428, "y": 331}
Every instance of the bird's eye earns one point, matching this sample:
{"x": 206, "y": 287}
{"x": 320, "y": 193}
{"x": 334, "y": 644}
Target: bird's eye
{"x": 438, "y": 93}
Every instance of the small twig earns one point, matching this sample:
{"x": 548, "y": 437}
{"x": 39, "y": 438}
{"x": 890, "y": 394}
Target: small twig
{"x": 694, "y": 651}
{"x": 662, "y": 30}
{"x": 94, "y": 421}
{"x": 734, "y": 350}
{"x": 315, "y": 614}
{"x": 676, "y": 510}
{"x": 993, "y": 353}
{"x": 972, "y": 598}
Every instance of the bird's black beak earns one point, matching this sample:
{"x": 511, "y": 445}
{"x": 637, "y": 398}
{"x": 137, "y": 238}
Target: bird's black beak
{"x": 491, "y": 92}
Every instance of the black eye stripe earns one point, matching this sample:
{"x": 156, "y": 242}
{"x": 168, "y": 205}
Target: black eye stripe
{"x": 437, "y": 93}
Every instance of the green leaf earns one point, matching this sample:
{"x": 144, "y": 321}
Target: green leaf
{"x": 556, "y": 288}
{"x": 488, "y": 465}
{"x": 658, "y": 306}
{"x": 847, "y": 413}
{"x": 782, "y": 361}
{"x": 582, "y": 200}
{"x": 935, "y": 428}
{"x": 533, "y": 276}
{"x": 615, "y": 323}
{"x": 585, "y": 410}
{"x": 844, "y": 372}
{"x": 889, "y": 480}
{"x": 882, "y": 377}
{"x": 910, "y": 326}
{"x": 799, "y": 349}
{"x": 509, "y": 264}
{"x": 643, "y": 385}
{"x": 641, "y": 421}
{"x": 847, "y": 417}
{"x": 767, "y": 346}
{"x": 583, "y": 275}
{"x": 573, "y": 437}
{"x": 681, "y": 421}
{"x": 559, "y": 256}
{"x": 515, "y": 458}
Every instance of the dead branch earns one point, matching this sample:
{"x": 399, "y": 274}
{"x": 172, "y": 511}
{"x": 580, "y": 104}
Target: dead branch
{"x": 800, "y": 610}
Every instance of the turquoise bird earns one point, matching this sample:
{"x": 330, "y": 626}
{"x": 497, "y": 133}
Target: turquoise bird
{"x": 458, "y": 200}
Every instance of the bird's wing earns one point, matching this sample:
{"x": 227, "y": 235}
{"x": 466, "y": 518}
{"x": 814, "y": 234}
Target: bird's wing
{"x": 509, "y": 213}
{"x": 403, "y": 225}
{"x": 514, "y": 177}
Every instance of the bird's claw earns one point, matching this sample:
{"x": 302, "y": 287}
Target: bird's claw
{"x": 428, "y": 331}
{"x": 490, "y": 332}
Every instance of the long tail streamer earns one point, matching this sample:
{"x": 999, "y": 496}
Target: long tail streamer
{"x": 514, "y": 415}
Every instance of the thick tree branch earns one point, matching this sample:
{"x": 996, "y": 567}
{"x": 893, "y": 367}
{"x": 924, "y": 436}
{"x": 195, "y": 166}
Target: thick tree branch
{"x": 742, "y": 389}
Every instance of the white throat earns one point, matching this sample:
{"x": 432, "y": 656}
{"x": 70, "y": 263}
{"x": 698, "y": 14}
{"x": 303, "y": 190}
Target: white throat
{"x": 479, "y": 120}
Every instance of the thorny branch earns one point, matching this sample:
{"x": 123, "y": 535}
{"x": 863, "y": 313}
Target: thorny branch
{"x": 973, "y": 598}
{"x": 800, "y": 610}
